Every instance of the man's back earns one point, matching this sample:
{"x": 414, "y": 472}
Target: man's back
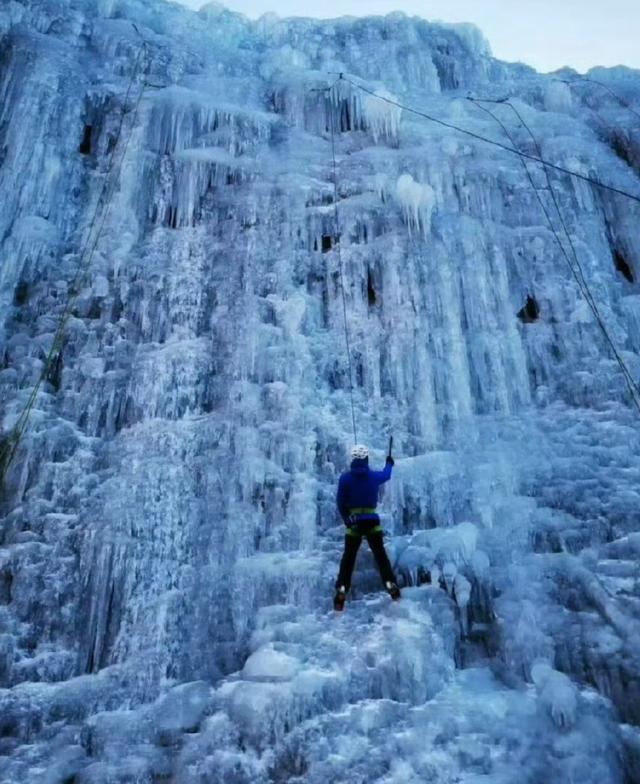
{"x": 358, "y": 487}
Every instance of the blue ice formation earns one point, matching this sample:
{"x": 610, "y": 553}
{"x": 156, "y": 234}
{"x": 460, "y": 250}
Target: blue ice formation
{"x": 169, "y": 534}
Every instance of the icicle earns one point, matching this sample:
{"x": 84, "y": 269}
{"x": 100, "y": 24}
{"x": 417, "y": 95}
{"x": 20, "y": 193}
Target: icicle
{"x": 417, "y": 202}
{"x": 381, "y": 118}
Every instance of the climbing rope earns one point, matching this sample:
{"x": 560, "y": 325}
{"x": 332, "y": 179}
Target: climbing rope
{"x": 340, "y": 265}
{"x": 622, "y": 101}
{"x": 494, "y": 143}
{"x": 576, "y": 270}
{"x": 11, "y": 441}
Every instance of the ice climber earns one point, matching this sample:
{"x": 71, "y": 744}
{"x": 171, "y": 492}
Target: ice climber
{"x": 357, "y": 499}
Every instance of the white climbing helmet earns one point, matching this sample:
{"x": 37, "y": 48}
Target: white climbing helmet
{"x": 359, "y": 452}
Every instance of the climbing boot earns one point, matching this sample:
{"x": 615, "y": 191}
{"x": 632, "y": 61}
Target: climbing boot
{"x": 393, "y": 591}
{"x": 339, "y": 599}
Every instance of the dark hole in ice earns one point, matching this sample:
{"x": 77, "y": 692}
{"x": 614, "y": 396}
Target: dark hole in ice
{"x": 85, "y": 144}
{"x": 530, "y": 311}
{"x": 95, "y": 310}
{"x": 623, "y": 266}
{"x": 171, "y": 217}
{"x": 21, "y": 294}
{"x": 345, "y": 117}
{"x": 6, "y": 444}
{"x": 117, "y": 308}
{"x": 54, "y": 374}
{"x": 336, "y": 377}
{"x": 327, "y": 242}
{"x": 89, "y": 667}
{"x": 102, "y": 421}
{"x": 8, "y": 728}
{"x": 621, "y": 148}
{"x": 371, "y": 292}
{"x": 125, "y": 416}
{"x": 6, "y": 581}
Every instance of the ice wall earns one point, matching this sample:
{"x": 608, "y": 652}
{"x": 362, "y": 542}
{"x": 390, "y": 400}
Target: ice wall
{"x": 169, "y": 539}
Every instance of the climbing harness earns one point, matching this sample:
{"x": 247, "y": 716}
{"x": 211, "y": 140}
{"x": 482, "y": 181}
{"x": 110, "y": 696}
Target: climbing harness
{"x": 576, "y": 270}
{"x": 354, "y": 531}
{"x": 10, "y": 442}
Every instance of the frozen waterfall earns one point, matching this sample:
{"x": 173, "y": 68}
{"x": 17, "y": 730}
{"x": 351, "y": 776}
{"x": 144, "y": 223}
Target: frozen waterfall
{"x": 169, "y": 538}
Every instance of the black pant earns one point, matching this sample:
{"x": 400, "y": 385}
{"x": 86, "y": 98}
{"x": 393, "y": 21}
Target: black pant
{"x": 351, "y": 547}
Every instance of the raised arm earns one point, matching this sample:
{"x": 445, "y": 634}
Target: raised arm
{"x": 385, "y": 475}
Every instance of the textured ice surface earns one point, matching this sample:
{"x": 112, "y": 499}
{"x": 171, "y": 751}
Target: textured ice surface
{"x": 169, "y": 534}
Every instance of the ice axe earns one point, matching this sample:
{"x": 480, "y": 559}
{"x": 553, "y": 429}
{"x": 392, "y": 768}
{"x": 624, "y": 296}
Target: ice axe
{"x": 390, "y": 446}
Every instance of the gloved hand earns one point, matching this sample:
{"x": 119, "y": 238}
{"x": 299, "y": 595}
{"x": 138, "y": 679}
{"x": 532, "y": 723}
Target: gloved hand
{"x": 390, "y": 460}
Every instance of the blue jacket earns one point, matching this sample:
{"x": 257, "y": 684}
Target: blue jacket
{"x": 358, "y": 488}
